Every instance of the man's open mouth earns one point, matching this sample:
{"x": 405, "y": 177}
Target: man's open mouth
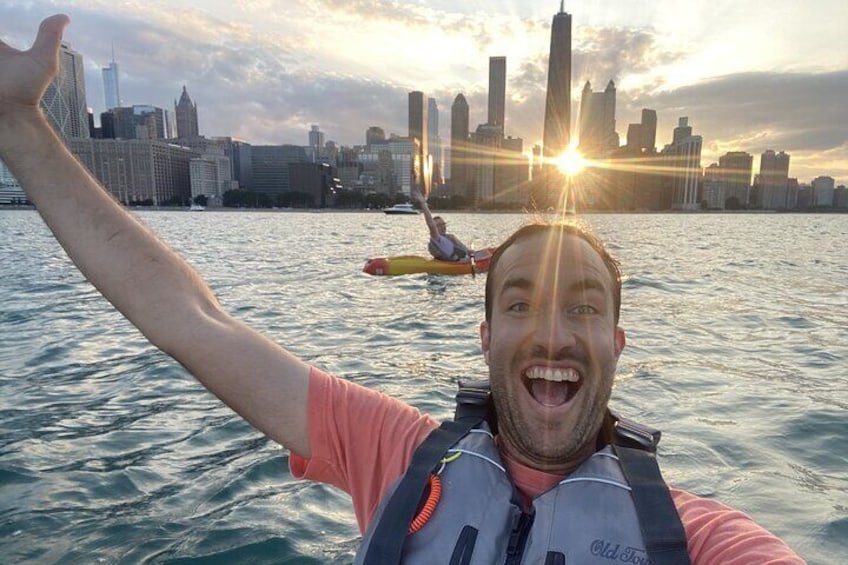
{"x": 551, "y": 386}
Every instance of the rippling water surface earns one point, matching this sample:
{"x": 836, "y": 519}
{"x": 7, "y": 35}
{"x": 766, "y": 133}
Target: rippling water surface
{"x": 111, "y": 453}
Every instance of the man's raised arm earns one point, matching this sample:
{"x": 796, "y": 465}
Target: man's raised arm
{"x": 416, "y": 195}
{"x": 144, "y": 279}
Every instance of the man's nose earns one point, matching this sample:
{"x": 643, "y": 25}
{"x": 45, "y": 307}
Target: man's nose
{"x": 555, "y": 330}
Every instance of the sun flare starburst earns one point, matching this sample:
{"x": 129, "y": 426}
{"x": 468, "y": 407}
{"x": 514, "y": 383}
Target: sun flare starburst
{"x": 570, "y": 162}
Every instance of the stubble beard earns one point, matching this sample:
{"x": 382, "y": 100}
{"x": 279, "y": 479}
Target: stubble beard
{"x": 550, "y": 448}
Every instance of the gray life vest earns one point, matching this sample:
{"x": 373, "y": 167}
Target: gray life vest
{"x": 457, "y": 250}
{"x": 607, "y": 511}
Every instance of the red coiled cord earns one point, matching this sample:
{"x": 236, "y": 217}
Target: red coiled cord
{"x": 429, "y": 507}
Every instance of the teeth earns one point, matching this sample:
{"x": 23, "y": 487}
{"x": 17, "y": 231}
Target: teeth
{"x": 554, "y": 375}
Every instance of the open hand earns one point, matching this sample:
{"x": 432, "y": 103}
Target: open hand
{"x": 415, "y": 194}
{"x": 24, "y": 75}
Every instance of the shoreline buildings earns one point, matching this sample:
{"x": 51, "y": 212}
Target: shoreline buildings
{"x": 488, "y": 169}
{"x": 140, "y": 153}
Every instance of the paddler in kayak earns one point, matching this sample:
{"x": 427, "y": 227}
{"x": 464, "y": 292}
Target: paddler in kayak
{"x": 442, "y": 245}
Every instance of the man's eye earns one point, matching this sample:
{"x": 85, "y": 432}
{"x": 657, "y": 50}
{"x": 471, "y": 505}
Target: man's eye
{"x": 584, "y": 309}
{"x": 519, "y": 307}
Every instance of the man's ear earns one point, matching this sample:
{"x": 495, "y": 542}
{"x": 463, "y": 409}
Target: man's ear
{"x": 484, "y": 340}
{"x": 620, "y": 341}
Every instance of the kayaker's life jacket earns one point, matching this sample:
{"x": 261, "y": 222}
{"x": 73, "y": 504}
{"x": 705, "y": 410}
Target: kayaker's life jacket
{"x": 447, "y": 248}
{"x": 615, "y": 508}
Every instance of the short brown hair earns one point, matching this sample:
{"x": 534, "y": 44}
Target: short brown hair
{"x": 565, "y": 228}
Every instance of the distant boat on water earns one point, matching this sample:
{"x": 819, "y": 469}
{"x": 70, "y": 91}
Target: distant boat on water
{"x": 197, "y": 208}
{"x": 398, "y": 209}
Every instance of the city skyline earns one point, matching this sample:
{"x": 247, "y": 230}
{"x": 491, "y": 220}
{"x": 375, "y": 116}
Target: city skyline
{"x": 268, "y": 86}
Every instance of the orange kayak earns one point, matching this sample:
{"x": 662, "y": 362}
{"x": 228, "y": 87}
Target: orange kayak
{"x": 414, "y": 264}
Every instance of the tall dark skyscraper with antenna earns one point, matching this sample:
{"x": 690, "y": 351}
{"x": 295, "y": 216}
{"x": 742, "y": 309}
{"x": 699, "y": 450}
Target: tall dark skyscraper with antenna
{"x": 557, "y": 134}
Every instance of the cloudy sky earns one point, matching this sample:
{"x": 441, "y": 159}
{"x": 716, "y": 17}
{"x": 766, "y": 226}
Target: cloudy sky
{"x": 750, "y": 76}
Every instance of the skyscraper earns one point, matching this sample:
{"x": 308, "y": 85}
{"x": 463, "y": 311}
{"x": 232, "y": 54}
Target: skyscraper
{"x": 497, "y": 91}
{"x": 375, "y": 135}
{"x": 683, "y": 155}
{"x": 649, "y": 130}
{"x": 186, "y": 112}
{"x": 64, "y": 101}
{"x": 316, "y": 143}
{"x": 484, "y": 152}
{"x": 432, "y": 118}
{"x": 434, "y": 141}
{"x": 418, "y": 117}
{"x": 111, "y": 88}
{"x": 736, "y": 167}
{"x": 418, "y": 130}
{"x": 597, "y": 121}
{"x": 774, "y": 177}
{"x": 557, "y": 134}
{"x": 823, "y": 189}
{"x": 459, "y": 158}
{"x": 642, "y": 137}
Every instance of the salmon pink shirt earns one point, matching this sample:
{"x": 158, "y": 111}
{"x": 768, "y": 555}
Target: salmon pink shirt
{"x": 363, "y": 440}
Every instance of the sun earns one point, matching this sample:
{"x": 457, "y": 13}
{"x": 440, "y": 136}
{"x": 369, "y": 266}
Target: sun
{"x": 570, "y": 162}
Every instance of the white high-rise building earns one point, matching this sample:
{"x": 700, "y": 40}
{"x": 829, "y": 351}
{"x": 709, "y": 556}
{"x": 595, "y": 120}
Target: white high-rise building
{"x": 403, "y": 151}
{"x": 64, "y": 101}
{"x": 111, "y": 87}
{"x": 316, "y": 143}
{"x": 823, "y": 189}
{"x": 211, "y": 176}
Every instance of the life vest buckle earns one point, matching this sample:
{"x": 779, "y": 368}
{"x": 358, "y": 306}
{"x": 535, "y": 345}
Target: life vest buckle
{"x": 632, "y": 434}
{"x": 472, "y": 400}
{"x": 475, "y": 392}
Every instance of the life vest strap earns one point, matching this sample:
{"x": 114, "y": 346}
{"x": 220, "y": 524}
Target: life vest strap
{"x": 659, "y": 521}
{"x": 387, "y": 542}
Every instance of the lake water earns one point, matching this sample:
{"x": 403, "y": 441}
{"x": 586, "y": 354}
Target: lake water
{"x": 111, "y": 453}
